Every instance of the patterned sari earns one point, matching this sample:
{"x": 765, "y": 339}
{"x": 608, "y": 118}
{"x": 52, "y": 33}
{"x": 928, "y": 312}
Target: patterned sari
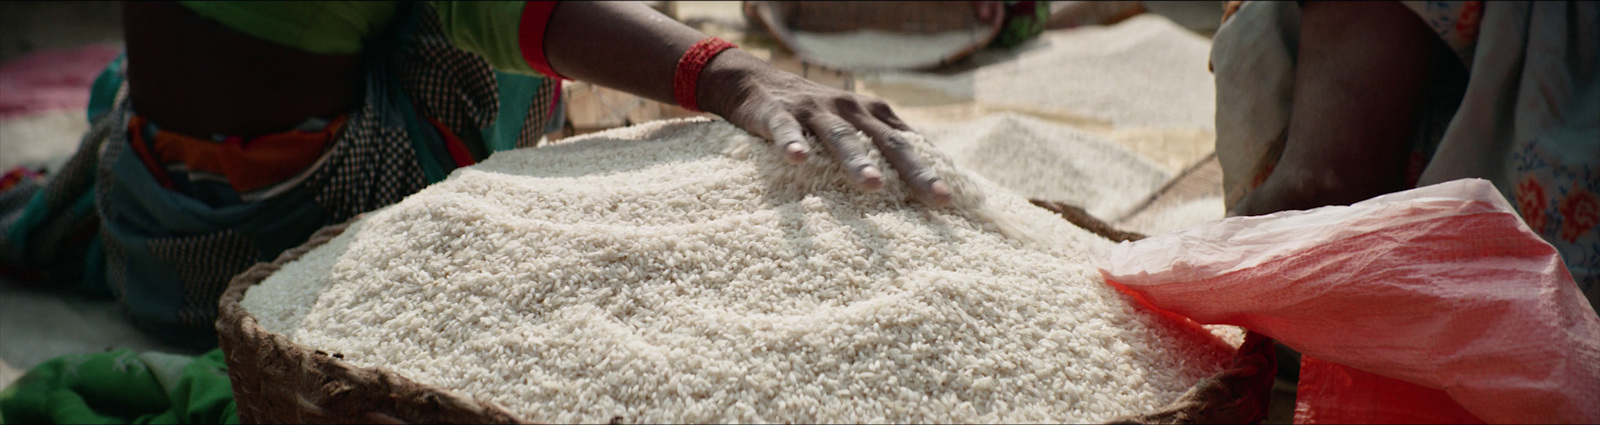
{"x": 163, "y": 221}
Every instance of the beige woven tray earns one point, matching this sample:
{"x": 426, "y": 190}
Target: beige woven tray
{"x": 781, "y": 19}
{"x": 278, "y": 381}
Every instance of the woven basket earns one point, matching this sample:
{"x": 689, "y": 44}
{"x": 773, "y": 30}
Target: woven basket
{"x": 278, "y": 381}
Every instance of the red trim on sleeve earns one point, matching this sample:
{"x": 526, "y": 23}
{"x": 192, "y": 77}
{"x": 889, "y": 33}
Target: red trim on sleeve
{"x": 530, "y": 36}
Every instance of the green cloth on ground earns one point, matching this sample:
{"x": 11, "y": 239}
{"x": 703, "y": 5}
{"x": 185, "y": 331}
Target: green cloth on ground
{"x": 1024, "y": 20}
{"x": 121, "y": 387}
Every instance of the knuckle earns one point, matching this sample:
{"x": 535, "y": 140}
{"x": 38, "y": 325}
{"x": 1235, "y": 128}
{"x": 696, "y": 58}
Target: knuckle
{"x": 858, "y": 160}
{"x": 812, "y": 104}
{"x": 841, "y": 132}
{"x": 805, "y": 114}
{"x": 894, "y": 143}
{"x": 879, "y": 107}
{"x": 846, "y": 104}
{"x": 782, "y": 122}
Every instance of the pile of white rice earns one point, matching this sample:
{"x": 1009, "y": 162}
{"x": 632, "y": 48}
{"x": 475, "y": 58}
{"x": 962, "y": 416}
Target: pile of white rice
{"x": 681, "y": 272}
{"x": 1040, "y": 159}
{"x": 1145, "y": 72}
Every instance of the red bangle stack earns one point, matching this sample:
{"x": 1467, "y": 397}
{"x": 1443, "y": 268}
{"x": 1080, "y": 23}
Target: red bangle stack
{"x": 693, "y": 61}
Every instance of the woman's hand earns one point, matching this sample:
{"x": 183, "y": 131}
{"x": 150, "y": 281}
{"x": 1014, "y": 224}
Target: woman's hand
{"x": 783, "y": 108}
{"x": 628, "y": 46}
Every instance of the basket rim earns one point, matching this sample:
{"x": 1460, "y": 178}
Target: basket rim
{"x": 235, "y": 325}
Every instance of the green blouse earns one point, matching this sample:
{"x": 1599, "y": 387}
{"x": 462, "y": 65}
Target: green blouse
{"x": 488, "y": 28}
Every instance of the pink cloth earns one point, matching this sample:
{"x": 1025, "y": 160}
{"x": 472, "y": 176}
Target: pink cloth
{"x": 51, "y": 80}
{"x": 1432, "y": 304}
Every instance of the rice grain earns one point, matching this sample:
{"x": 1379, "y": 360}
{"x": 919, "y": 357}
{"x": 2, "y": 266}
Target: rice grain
{"x": 682, "y": 272}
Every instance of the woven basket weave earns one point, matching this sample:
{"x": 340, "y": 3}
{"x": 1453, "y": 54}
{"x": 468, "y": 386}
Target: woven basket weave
{"x": 278, "y": 381}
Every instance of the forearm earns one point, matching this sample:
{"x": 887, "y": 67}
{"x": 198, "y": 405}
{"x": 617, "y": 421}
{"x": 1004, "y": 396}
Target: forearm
{"x": 1359, "y": 79}
{"x": 625, "y": 45}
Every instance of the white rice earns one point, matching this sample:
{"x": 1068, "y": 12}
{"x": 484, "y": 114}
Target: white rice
{"x": 1145, "y": 72}
{"x": 681, "y": 272}
{"x": 45, "y": 139}
{"x": 1188, "y": 213}
{"x": 1039, "y": 159}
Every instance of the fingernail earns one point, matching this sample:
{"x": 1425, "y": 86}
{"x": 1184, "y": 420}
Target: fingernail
{"x": 871, "y": 178}
{"x": 940, "y": 193}
{"x": 795, "y": 152}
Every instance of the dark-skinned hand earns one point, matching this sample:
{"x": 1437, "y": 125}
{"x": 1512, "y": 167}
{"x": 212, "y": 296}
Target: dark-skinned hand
{"x": 628, "y": 46}
{"x": 783, "y": 108}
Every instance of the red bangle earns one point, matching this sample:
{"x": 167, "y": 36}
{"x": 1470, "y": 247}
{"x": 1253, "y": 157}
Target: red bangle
{"x": 689, "y": 67}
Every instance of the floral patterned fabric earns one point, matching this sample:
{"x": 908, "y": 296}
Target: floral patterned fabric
{"x": 1456, "y": 22}
{"x": 1526, "y": 117}
{"x": 1557, "y": 191}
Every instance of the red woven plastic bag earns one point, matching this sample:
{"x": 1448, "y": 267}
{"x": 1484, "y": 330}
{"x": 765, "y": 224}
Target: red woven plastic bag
{"x": 1435, "y": 304}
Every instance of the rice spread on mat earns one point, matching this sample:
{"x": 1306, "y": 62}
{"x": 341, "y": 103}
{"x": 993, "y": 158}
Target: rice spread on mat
{"x": 682, "y": 272}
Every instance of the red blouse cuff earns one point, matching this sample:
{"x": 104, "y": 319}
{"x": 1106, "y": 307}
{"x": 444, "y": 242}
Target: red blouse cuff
{"x": 530, "y": 35}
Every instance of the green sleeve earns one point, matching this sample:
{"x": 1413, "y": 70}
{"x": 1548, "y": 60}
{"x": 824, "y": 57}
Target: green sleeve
{"x": 329, "y": 27}
{"x": 488, "y": 28}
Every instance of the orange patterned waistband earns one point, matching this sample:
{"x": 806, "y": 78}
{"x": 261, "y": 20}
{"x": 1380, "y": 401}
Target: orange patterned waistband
{"x": 248, "y": 165}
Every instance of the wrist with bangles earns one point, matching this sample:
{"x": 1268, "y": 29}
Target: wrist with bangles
{"x": 686, "y": 78}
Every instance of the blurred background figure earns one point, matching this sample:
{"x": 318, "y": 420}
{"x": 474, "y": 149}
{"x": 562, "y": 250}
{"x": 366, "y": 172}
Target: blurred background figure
{"x": 1331, "y": 103}
{"x": 924, "y": 34}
